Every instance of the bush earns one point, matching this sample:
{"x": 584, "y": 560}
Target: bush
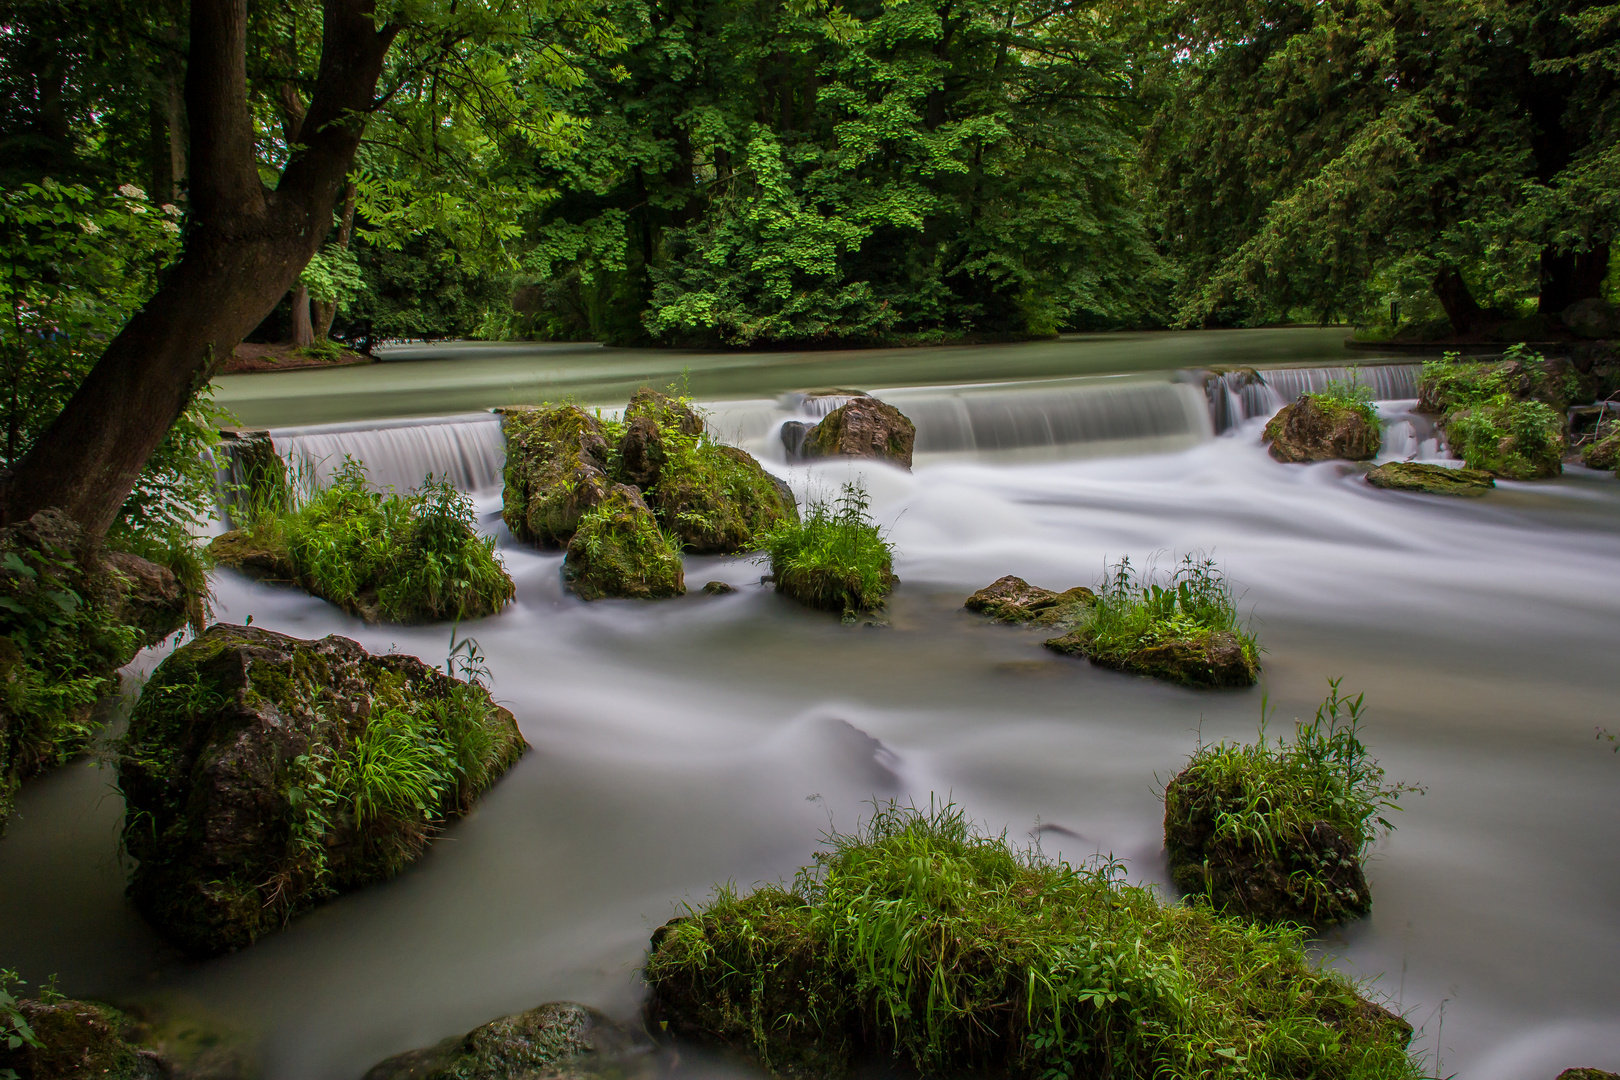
{"x": 924, "y": 942}
{"x": 1184, "y": 629}
{"x": 1348, "y": 394}
{"x": 1281, "y": 830}
{"x": 1517, "y": 440}
{"x": 835, "y": 558}
{"x": 400, "y": 558}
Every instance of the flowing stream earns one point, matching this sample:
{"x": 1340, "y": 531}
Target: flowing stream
{"x": 715, "y": 738}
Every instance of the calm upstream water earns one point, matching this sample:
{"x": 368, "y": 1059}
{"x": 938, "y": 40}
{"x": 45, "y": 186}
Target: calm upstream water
{"x": 714, "y": 739}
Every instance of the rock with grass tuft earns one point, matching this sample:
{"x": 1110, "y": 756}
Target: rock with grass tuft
{"x": 619, "y": 550}
{"x": 1430, "y": 479}
{"x": 1515, "y": 440}
{"x": 655, "y": 425}
{"x": 1603, "y": 452}
{"x": 1012, "y": 599}
{"x": 1317, "y": 428}
{"x": 556, "y": 472}
{"x": 556, "y": 1041}
{"x": 1587, "y": 1074}
{"x": 835, "y": 558}
{"x": 79, "y": 1039}
{"x": 866, "y": 428}
{"x": 718, "y": 500}
{"x": 263, "y": 774}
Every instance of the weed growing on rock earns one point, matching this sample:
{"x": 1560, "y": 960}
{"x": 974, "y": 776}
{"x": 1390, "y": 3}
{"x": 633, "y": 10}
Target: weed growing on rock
{"x": 1351, "y": 394}
{"x": 1518, "y": 440}
{"x": 923, "y": 941}
{"x": 835, "y": 558}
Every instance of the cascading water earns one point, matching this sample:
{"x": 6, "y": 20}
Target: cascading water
{"x": 1247, "y": 393}
{"x": 467, "y": 450}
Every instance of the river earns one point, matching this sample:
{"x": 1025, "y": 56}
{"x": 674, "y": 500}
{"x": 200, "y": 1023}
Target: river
{"x": 715, "y": 738}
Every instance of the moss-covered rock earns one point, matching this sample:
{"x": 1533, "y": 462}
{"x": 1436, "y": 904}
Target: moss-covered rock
{"x": 1516, "y": 440}
{"x": 718, "y": 500}
{"x": 1012, "y": 599}
{"x": 1587, "y": 1074}
{"x": 1218, "y": 658}
{"x": 556, "y": 472}
{"x": 1446, "y": 386}
{"x": 556, "y": 1041}
{"x": 1430, "y": 479}
{"x": 619, "y": 550}
{"x": 1604, "y": 451}
{"x": 655, "y": 425}
{"x": 866, "y": 427}
{"x": 263, "y": 774}
{"x": 1312, "y": 875}
{"x": 1314, "y": 429}
{"x": 80, "y": 1040}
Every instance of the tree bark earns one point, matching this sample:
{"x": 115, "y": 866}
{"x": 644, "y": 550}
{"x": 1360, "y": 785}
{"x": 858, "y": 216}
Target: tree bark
{"x": 1461, "y": 308}
{"x": 303, "y": 328}
{"x": 244, "y": 248}
{"x": 1568, "y": 276}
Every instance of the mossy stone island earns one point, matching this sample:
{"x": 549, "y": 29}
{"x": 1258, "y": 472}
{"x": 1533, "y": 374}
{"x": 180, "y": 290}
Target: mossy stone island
{"x": 80, "y": 1039}
{"x": 1430, "y": 479}
{"x": 556, "y": 471}
{"x": 619, "y": 550}
{"x": 557, "y": 1041}
{"x": 1012, "y": 599}
{"x": 263, "y": 774}
{"x": 1317, "y": 429}
{"x": 1604, "y": 451}
{"x": 1210, "y": 658}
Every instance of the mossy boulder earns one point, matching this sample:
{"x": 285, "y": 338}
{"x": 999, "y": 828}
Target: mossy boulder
{"x": 866, "y": 428}
{"x": 1313, "y": 429}
{"x": 1555, "y": 382}
{"x": 1430, "y": 479}
{"x": 80, "y": 1040}
{"x": 1604, "y": 451}
{"x": 718, "y": 500}
{"x": 619, "y": 550}
{"x": 1210, "y": 658}
{"x": 556, "y": 1041}
{"x": 1012, "y": 599}
{"x": 263, "y": 774}
{"x": 1310, "y": 875}
{"x": 1587, "y": 1074}
{"x": 1515, "y": 440}
{"x": 654, "y": 426}
{"x": 556, "y": 472}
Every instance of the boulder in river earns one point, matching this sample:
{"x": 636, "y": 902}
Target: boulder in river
{"x": 1012, "y": 599}
{"x": 556, "y": 471}
{"x": 1430, "y": 479}
{"x": 263, "y": 774}
{"x": 1515, "y": 440}
{"x": 556, "y": 1041}
{"x": 865, "y": 427}
{"x": 1587, "y": 1074}
{"x": 620, "y": 550}
{"x": 1318, "y": 429}
{"x": 1603, "y": 452}
{"x": 78, "y": 1040}
{"x": 1212, "y": 658}
{"x": 655, "y": 425}
{"x": 718, "y": 500}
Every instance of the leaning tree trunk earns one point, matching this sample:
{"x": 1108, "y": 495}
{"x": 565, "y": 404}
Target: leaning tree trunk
{"x": 1464, "y": 312}
{"x": 244, "y": 247}
{"x": 1568, "y": 276}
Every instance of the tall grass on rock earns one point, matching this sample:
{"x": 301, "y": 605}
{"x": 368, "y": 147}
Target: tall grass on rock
{"x": 835, "y": 558}
{"x": 922, "y": 943}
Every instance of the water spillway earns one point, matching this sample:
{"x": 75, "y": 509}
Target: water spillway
{"x": 1248, "y": 393}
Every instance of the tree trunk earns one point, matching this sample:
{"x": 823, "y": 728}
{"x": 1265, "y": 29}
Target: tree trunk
{"x": 245, "y": 247}
{"x": 303, "y": 329}
{"x": 1568, "y": 276}
{"x": 326, "y": 312}
{"x": 1461, "y": 308}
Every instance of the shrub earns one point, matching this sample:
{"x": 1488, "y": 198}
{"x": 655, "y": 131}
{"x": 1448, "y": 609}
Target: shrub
{"x": 1348, "y": 394}
{"x": 927, "y": 942}
{"x": 1281, "y": 830}
{"x": 835, "y": 558}
{"x": 1451, "y": 383}
{"x": 402, "y": 558}
{"x": 1518, "y": 440}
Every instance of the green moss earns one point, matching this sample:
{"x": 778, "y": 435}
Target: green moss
{"x": 1451, "y": 383}
{"x": 1603, "y": 452}
{"x": 1430, "y": 479}
{"x": 78, "y": 1039}
{"x": 555, "y": 471}
{"x": 835, "y": 559}
{"x": 619, "y": 550}
{"x": 1184, "y": 629}
{"x": 1516, "y": 440}
{"x": 1280, "y": 830}
{"x": 924, "y": 943}
{"x": 718, "y": 499}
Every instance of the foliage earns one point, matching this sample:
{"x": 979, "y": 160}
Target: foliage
{"x": 14, "y": 1027}
{"x": 835, "y": 558}
{"x": 403, "y": 558}
{"x": 332, "y": 276}
{"x": 1519, "y": 440}
{"x": 1349, "y": 394}
{"x": 619, "y": 549}
{"x": 936, "y": 945}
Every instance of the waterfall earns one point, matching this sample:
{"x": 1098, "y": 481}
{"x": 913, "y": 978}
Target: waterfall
{"x": 1246, "y": 393}
{"x": 468, "y": 450}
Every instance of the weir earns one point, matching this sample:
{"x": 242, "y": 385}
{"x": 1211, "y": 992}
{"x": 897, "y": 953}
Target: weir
{"x": 1251, "y": 393}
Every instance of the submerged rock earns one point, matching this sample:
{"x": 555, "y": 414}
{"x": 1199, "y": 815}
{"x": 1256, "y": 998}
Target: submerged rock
{"x": 263, "y": 774}
{"x": 1430, "y": 479}
{"x": 556, "y": 1041}
{"x": 1587, "y": 1074}
{"x": 619, "y": 550}
{"x": 1012, "y": 599}
{"x": 556, "y": 472}
{"x": 79, "y": 1040}
{"x": 718, "y": 588}
{"x": 1312, "y": 429}
{"x": 719, "y": 501}
{"x": 865, "y": 427}
{"x": 1217, "y": 658}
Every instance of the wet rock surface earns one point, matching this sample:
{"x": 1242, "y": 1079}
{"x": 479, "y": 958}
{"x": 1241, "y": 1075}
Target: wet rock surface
{"x": 1012, "y": 599}
{"x": 250, "y": 774}
{"x": 80, "y": 1040}
{"x": 1213, "y": 659}
{"x": 555, "y": 1041}
{"x": 1430, "y": 479}
{"x": 1313, "y": 430}
{"x": 865, "y": 427}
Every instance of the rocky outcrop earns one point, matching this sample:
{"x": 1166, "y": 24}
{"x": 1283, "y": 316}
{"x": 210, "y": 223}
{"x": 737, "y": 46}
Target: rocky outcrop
{"x": 866, "y": 428}
{"x": 556, "y": 1041}
{"x": 653, "y": 422}
{"x": 1012, "y": 599}
{"x": 1515, "y": 440}
{"x": 1555, "y": 382}
{"x": 619, "y": 550}
{"x": 1210, "y": 658}
{"x": 1314, "y": 429}
{"x": 718, "y": 500}
{"x": 1430, "y": 479}
{"x": 263, "y": 774}
{"x": 1311, "y": 876}
{"x": 79, "y": 1039}
{"x": 556, "y": 472}
{"x": 1592, "y": 318}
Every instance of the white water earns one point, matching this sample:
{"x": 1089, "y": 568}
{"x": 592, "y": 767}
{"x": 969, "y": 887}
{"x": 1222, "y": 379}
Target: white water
{"x": 712, "y": 739}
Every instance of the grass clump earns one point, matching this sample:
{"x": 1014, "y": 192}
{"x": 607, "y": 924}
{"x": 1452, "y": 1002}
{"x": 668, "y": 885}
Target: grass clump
{"x": 835, "y": 558}
{"x": 922, "y": 942}
{"x": 1184, "y": 628}
{"x": 1348, "y": 395}
{"x": 379, "y": 555}
{"x": 1280, "y": 830}
{"x": 1505, "y": 418}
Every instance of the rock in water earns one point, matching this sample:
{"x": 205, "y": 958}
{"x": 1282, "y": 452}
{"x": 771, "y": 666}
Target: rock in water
{"x": 1012, "y": 599}
{"x": 1313, "y": 876}
{"x": 556, "y": 472}
{"x": 1312, "y": 430}
{"x": 1587, "y": 1074}
{"x": 718, "y": 500}
{"x": 79, "y": 1039}
{"x": 620, "y": 550}
{"x": 718, "y": 588}
{"x": 1603, "y": 452}
{"x": 1205, "y": 658}
{"x": 556, "y": 1041}
{"x": 1430, "y": 479}
{"x": 263, "y": 774}
{"x": 1593, "y": 317}
{"x": 652, "y": 423}
{"x": 866, "y": 427}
